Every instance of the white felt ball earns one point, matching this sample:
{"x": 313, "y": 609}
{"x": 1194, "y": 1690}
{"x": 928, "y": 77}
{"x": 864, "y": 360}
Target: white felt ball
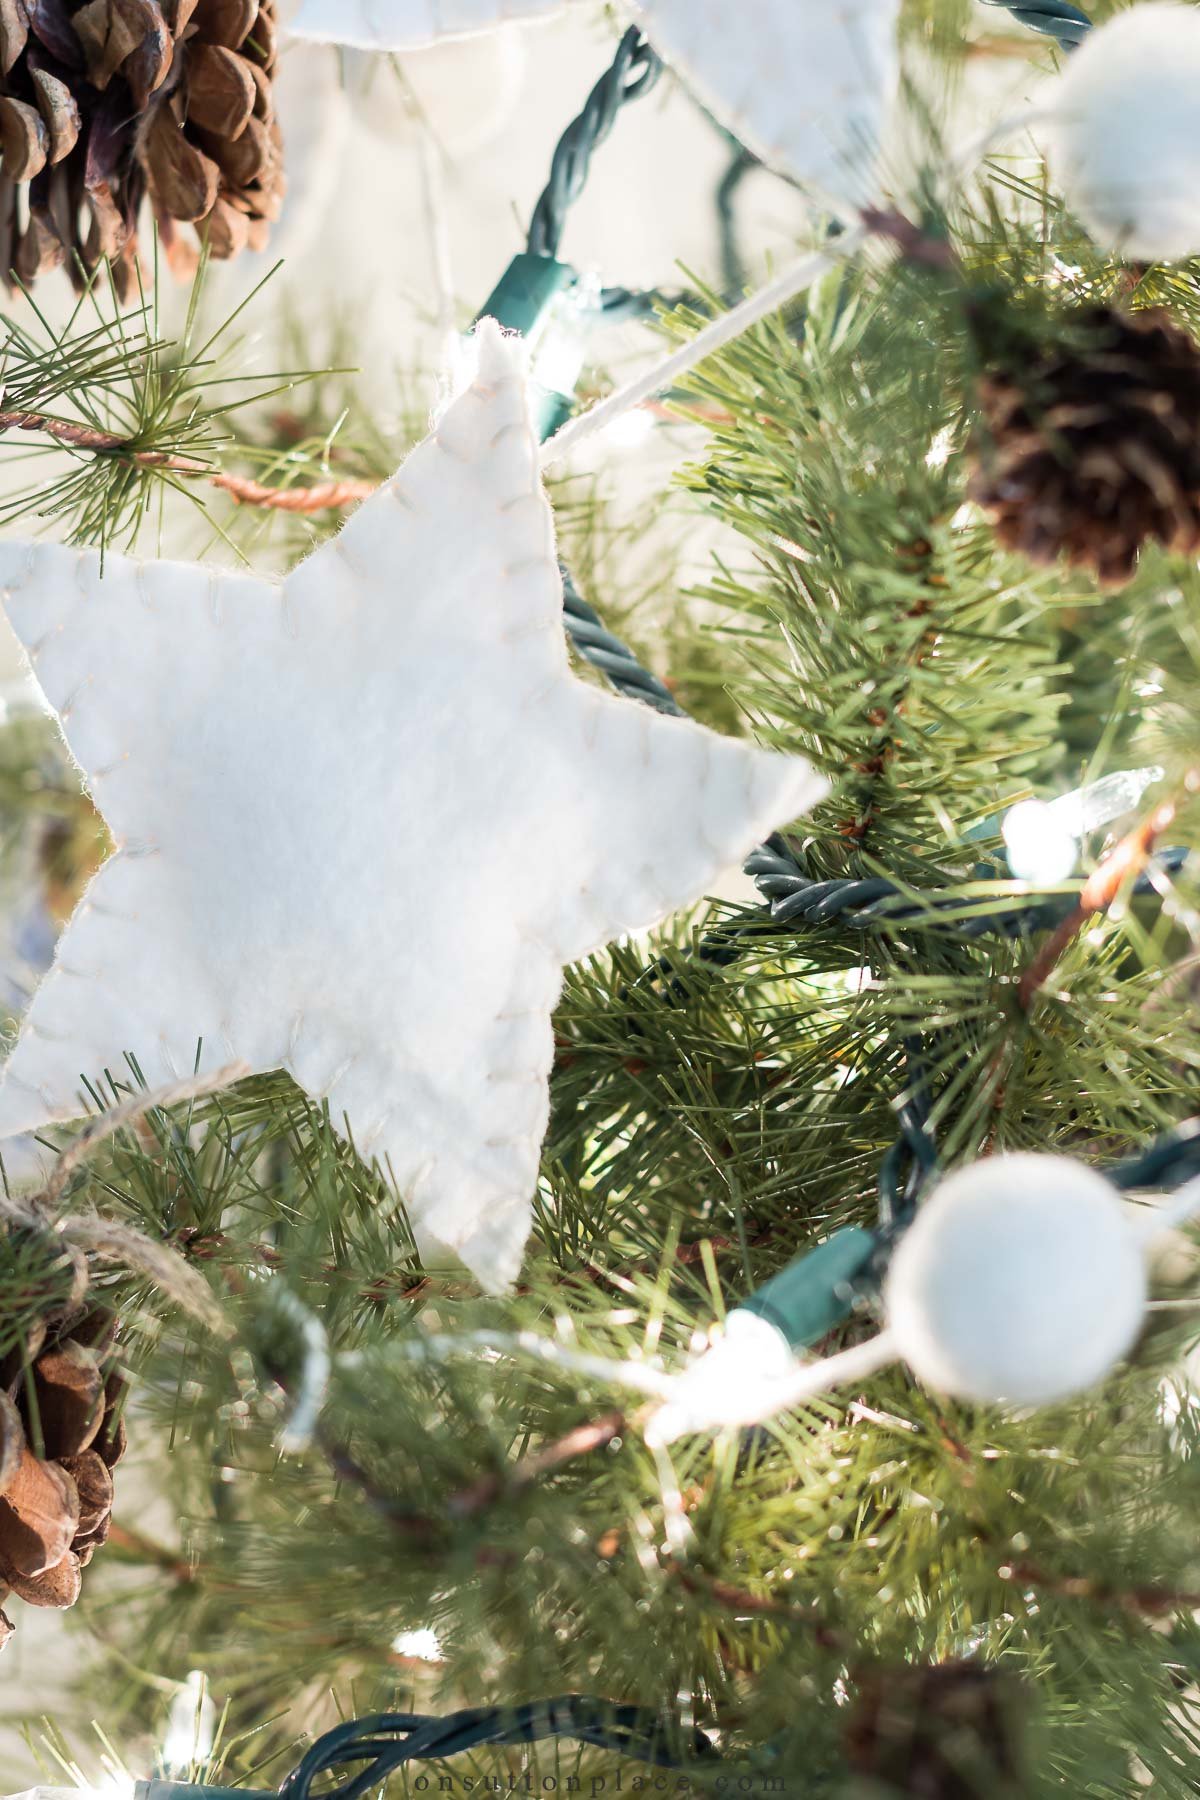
{"x": 1125, "y": 134}
{"x": 1021, "y": 1279}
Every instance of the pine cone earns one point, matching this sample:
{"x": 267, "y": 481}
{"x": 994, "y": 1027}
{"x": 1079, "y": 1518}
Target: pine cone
{"x": 61, "y": 1436}
{"x": 106, "y": 102}
{"x": 1092, "y": 447}
{"x": 943, "y": 1731}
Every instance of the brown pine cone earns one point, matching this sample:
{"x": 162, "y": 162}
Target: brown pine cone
{"x": 1090, "y": 447}
{"x": 106, "y": 102}
{"x": 61, "y": 1436}
{"x": 940, "y": 1731}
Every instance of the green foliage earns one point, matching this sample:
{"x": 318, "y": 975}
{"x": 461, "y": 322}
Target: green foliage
{"x": 709, "y": 1123}
{"x": 137, "y": 415}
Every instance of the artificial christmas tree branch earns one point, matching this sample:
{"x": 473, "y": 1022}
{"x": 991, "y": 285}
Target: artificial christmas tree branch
{"x": 151, "y": 413}
{"x": 746, "y": 1108}
{"x": 125, "y": 1113}
{"x": 580, "y": 1441}
{"x": 1149, "y": 1601}
{"x": 321, "y": 497}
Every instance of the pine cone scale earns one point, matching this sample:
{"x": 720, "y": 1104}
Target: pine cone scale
{"x": 61, "y": 1435}
{"x": 69, "y": 1392}
{"x": 50, "y": 23}
{"x": 94, "y": 1485}
{"x": 12, "y": 1442}
{"x": 58, "y": 1587}
{"x": 227, "y": 22}
{"x": 24, "y": 140}
{"x": 183, "y": 180}
{"x": 221, "y": 90}
{"x": 112, "y": 30}
{"x": 60, "y": 113}
{"x": 14, "y": 33}
{"x": 39, "y": 1517}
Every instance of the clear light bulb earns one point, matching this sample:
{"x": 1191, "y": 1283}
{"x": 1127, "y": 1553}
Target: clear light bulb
{"x": 560, "y": 345}
{"x": 421, "y": 1644}
{"x": 1042, "y": 837}
{"x": 1041, "y": 848}
{"x": 631, "y": 429}
{"x": 191, "y": 1726}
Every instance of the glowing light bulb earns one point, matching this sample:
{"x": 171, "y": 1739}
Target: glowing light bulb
{"x": 421, "y": 1644}
{"x": 754, "y": 1361}
{"x": 726, "y": 1384}
{"x": 1041, "y": 849}
{"x": 1022, "y": 1281}
{"x": 560, "y": 339}
{"x": 558, "y": 361}
{"x": 191, "y": 1726}
{"x": 630, "y": 429}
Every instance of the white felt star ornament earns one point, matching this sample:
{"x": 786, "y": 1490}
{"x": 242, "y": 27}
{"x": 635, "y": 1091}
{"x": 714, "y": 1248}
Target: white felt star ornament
{"x": 807, "y": 84}
{"x": 365, "y": 816}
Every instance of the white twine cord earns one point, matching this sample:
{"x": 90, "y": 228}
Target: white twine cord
{"x": 830, "y": 1372}
{"x": 312, "y": 1382}
{"x": 637, "y": 1376}
{"x": 793, "y": 280}
{"x": 679, "y": 1416}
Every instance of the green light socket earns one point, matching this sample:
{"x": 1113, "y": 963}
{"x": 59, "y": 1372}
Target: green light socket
{"x": 520, "y": 302}
{"x": 814, "y": 1293}
{"x": 526, "y": 291}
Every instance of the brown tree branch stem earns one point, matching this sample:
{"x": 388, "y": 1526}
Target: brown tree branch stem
{"x": 1151, "y": 1600}
{"x": 578, "y": 1442}
{"x": 1124, "y": 860}
{"x": 321, "y": 497}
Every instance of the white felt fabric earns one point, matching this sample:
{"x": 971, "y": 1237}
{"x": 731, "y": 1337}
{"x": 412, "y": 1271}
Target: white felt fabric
{"x": 1021, "y": 1279}
{"x": 807, "y": 84}
{"x": 365, "y": 816}
{"x": 408, "y": 24}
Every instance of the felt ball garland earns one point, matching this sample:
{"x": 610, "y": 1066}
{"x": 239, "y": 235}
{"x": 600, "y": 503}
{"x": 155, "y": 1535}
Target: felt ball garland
{"x": 1021, "y": 1281}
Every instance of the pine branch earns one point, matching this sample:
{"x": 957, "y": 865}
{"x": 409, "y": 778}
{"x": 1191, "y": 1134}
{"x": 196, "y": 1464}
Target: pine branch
{"x": 581, "y": 1440}
{"x": 149, "y": 414}
{"x": 321, "y": 497}
{"x": 1151, "y": 1600}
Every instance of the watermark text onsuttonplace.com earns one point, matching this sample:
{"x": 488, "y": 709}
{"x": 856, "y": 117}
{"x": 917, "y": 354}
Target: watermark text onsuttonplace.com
{"x": 597, "y": 1786}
